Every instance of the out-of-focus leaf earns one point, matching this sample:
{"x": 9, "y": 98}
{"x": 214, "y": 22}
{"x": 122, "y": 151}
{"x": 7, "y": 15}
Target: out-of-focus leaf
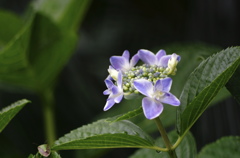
{"x": 7, "y": 114}
{"x": 187, "y": 148}
{"x": 37, "y": 52}
{"x": 224, "y": 147}
{"x": 67, "y": 14}
{"x": 53, "y": 154}
{"x": 104, "y": 134}
{"x": 50, "y": 50}
{"x": 204, "y": 84}
{"x": 233, "y": 85}
{"x": 10, "y": 25}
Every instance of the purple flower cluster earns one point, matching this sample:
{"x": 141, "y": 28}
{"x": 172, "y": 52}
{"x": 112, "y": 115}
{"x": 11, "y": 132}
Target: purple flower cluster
{"x": 149, "y": 79}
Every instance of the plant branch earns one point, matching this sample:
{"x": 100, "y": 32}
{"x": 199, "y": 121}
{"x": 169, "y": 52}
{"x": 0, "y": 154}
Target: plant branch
{"x": 166, "y": 140}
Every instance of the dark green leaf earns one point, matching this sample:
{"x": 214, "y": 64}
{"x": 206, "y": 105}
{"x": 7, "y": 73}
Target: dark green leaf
{"x": 233, "y": 85}
{"x": 52, "y": 155}
{"x": 204, "y": 84}
{"x": 224, "y": 147}
{"x": 67, "y": 14}
{"x": 187, "y": 148}
{"x": 9, "y": 112}
{"x": 33, "y": 54}
{"x": 128, "y": 115}
{"x": 104, "y": 134}
{"x": 10, "y": 25}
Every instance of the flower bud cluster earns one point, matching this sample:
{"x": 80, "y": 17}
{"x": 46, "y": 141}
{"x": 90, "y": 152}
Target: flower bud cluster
{"x": 149, "y": 72}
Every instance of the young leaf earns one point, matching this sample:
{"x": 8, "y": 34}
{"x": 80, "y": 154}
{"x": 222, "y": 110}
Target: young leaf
{"x": 224, "y": 147}
{"x": 187, "y": 148}
{"x": 127, "y": 115}
{"x": 104, "y": 134}
{"x": 9, "y": 112}
{"x": 233, "y": 85}
{"x": 204, "y": 84}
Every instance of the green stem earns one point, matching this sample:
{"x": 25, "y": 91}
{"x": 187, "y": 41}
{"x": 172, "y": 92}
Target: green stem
{"x": 166, "y": 140}
{"x": 48, "y": 115}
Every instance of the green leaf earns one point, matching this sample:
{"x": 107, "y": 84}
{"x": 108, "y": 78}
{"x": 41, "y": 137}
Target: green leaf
{"x": 187, "y": 148}
{"x": 53, "y": 154}
{"x": 10, "y": 25}
{"x": 7, "y": 114}
{"x": 33, "y": 54}
{"x": 104, "y": 134}
{"x": 67, "y": 14}
{"x": 204, "y": 84}
{"x": 224, "y": 147}
{"x": 233, "y": 85}
{"x": 50, "y": 50}
{"x": 127, "y": 115}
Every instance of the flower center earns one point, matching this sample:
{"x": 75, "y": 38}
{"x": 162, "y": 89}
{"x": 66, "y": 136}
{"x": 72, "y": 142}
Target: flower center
{"x": 149, "y": 72}
{"x": 158, "y": 95}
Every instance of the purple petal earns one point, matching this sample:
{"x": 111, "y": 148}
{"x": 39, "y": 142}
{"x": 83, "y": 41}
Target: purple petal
{"x": 109, "y": 104}
{"x": 169, "y": 98}
{"x": 151, "y": 108}
{"x": 160, "y": 54}
{"x": 163, "y": 85}
{"x": 116, "y": 90}
{"x": 144, "y": 86}
{"x": 126, "y": 55}
{"x": 164, "y": 61}
{"x": 107, "y": 92}
{"x": 147, "y": 57}
{"x": 118, "y": 99}
{"x": 118, "y": 62}
{"x": 134, "y": 60}
{"x": 108, "y": 83}
{"x": 119, "y": 80}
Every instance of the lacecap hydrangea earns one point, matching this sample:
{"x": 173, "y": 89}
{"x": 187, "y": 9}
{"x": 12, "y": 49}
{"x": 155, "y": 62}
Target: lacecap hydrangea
{"x": 150, "y": 79}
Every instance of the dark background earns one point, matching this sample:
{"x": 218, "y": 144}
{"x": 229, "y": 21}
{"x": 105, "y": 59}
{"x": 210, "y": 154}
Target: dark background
{"x": 110, "y": 27}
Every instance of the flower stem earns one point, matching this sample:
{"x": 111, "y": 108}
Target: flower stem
{"x": 48, "y": 115}
{"x": 166, "y": 140}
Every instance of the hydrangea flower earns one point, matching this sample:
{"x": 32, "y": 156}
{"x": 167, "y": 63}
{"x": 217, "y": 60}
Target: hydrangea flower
{"x": 115, "y": 92}
{"x": 155, "y": 95}
{"x": 122, "y": 62}
{"x": 160, "y": 59}
{"x": 126, "y": 79}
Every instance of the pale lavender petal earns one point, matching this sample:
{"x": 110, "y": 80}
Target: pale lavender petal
{"x": 107, "y": 92}
{"x": 160, "y": 54}
{"x": 109, "y": 104}
{"x": 118, "y": 99}
{"x": 163, "y": 85}
{"x": 164, "y": 61}
{"x": 134, "y": 60}
{"x": 169, "y": 98}
{"x": 119, "y": 80}
{"x": 151, "y": 108}
{"x": 126, "y": 55}
{"x": 108, "y": 83}
{"x": 118, "y": 62}
{"x": 147, "y": 57}
{"x": 116, "y": 90}
{"x": 144, "y": 86}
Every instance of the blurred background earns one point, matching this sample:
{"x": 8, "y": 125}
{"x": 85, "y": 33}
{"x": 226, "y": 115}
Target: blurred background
{"x": 110, "y": 27}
